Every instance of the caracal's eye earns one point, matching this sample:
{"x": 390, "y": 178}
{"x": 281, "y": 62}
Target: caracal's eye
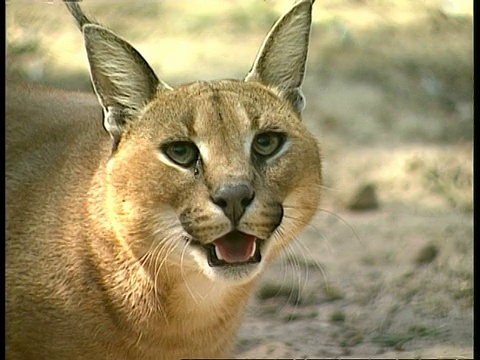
{"x": 267, "y": 143}
{"x": 183, "y": 153}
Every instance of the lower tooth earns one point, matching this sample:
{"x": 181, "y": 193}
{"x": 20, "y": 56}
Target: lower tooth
{"x": 217, "y": 252}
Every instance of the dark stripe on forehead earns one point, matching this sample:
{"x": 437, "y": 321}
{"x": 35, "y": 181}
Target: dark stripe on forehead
{"x": 214, "y": 99}
{"x": 223, "y": 107}
{"x": 188, "y": 118}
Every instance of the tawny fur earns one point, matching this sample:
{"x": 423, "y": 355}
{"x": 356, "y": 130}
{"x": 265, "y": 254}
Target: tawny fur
{"x": 99, "y": 264}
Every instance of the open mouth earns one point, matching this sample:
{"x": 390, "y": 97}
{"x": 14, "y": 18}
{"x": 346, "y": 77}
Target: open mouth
{"x": 235, "y": 248}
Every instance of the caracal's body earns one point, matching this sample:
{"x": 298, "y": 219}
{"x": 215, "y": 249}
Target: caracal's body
{"x": 144, "y": 241}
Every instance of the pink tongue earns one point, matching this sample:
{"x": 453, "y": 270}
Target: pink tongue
{"x": 236, "y": 247}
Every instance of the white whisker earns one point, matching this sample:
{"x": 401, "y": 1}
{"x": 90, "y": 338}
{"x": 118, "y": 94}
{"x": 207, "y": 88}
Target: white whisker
{"x": 182, "y": 271}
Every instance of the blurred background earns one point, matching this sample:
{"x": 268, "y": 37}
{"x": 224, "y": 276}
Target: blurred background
{"x": 389, "y": 90}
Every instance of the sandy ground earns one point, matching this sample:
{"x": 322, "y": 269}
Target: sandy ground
{"x": 371, "y": 295}
{"x": 389, "y": 97}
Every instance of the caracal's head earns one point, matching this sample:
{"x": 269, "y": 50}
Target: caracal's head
{"x": 215, "y": 177}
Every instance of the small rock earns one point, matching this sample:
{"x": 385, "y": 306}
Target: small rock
{"x": 365, "y": 198}
{"x": 427, "y": 254}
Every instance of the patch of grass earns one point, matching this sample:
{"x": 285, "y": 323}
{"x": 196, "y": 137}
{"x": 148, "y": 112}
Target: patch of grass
{"x": 273, "y": 290}
{"x": 368, "y": 259}
{"x": 444, "y": 177}
{"x": 421, "y": 330}
{"x": 392, "y": 340}
{"x": 433, "y": 306}
{"x": 351, "y": 337}
{"x": 366, "y": 294}
{"x": 453, "y": 183}
{"x": 337, "y": 316}
{"x": 398, "y": 340}
{"x": 332, "y": 293}
{"x": 464, "y": 244}
{"x": 289, "y": 292}
{"x": 302, "y": 261}
{"x": 465, "y": 295}
{"x": 299, "y": 316}
{"x": 409, "y": 293}
{"x": 26, "y": 46}
{"x": 462, "y": 274}
{"x": 405, "y": 278}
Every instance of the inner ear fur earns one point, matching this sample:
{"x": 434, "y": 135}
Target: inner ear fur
{"x": 123, "y": 80}
{"x": 281, "y": 60}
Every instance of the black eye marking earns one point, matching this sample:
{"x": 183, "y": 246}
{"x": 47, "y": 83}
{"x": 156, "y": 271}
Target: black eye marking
{"x": 183, "y": 153}
{"x": 198, "y": 166}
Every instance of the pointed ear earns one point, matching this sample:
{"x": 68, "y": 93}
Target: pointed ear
{"x": 280, "y": 63}
{"x": 122, "y": 79}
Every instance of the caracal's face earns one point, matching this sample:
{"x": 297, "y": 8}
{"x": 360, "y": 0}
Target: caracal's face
{"x": 214, "y": 176}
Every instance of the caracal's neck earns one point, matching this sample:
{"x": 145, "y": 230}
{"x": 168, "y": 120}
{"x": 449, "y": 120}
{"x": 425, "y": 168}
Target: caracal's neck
{"x": 197, "y": 293}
